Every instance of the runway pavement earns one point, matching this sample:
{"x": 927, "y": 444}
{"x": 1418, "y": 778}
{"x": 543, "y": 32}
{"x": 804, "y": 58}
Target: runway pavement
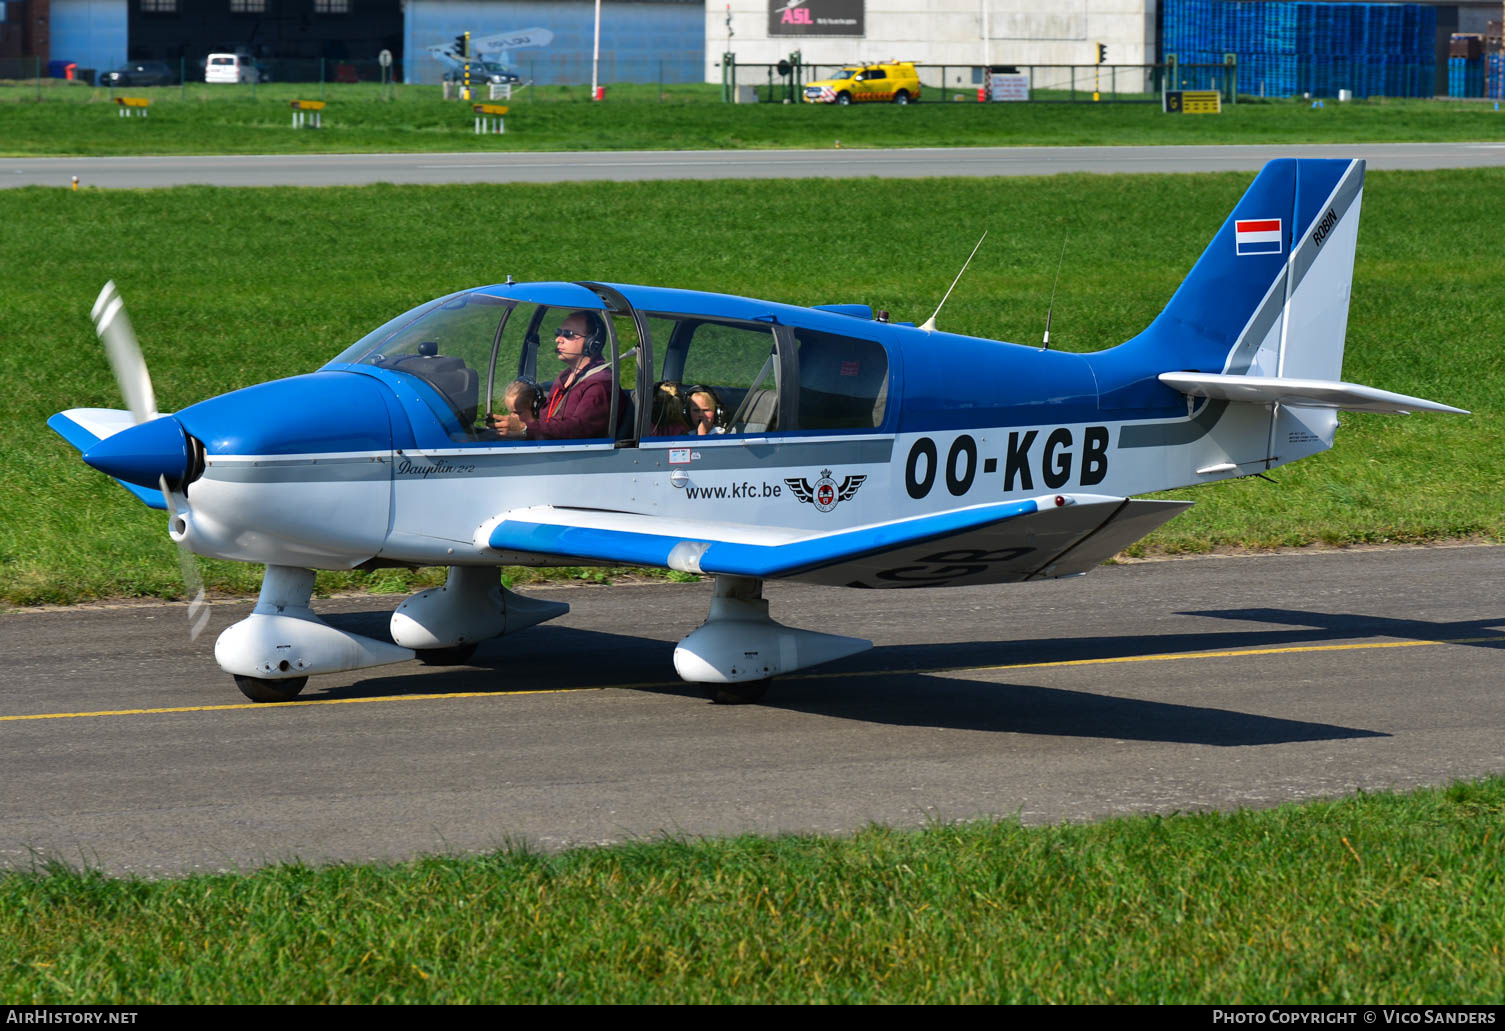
{"x": 1155, "y": 687}
{"x": 358, "y": 169}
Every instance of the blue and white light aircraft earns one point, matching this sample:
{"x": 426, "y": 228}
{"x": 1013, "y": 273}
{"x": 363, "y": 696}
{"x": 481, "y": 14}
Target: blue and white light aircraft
{"x": 840, "y": 448}
{"x": 493, "y": 52}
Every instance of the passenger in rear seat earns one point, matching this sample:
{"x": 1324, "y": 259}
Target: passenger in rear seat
{"x": 707, "y": 416}
{"x": 670, "y": 416}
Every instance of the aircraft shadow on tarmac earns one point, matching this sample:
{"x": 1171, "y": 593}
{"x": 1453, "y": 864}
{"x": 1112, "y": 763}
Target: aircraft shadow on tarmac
{"x": 895, "y": 685}
{"x": 1326, "y": 625}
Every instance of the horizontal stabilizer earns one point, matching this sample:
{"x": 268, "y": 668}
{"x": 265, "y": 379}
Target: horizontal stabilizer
{"x": 1037, "y": 538}
{"x": 1304, "y": 393}
{"x": 85, "y": 427}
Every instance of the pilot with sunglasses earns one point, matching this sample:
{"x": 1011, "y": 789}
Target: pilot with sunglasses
{"x": 578, "y": 403}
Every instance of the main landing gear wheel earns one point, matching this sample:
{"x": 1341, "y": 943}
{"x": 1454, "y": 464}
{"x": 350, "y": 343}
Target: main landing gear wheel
{"x": 259, "y": 690}
{"x": 745, "y": 692}
{"x": 458, "y": 655}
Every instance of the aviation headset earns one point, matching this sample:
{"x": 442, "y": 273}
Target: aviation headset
{"x": 536, "y": 391}
{"x": 595, "y": 331}
{"x": 715, "y": 399}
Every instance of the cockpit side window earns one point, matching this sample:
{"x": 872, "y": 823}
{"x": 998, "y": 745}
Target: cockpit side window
{"x": 715, "y": 378}
{"x": 843, "y": 381}
{"x": 529, "y": 369}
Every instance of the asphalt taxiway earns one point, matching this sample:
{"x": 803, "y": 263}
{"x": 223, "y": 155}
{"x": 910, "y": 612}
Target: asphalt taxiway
{"x": 622, "y": 166}
{"x": 1154, "y": 687}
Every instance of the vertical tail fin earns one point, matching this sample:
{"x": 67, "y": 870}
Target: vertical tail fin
{"x": 1269, "y": 296}
{"x": 1257, "y": 329}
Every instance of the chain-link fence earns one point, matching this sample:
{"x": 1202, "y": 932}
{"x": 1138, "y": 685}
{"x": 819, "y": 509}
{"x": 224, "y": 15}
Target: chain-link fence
{"x": 562, "y": 69}
{"x": 950, "y": 83}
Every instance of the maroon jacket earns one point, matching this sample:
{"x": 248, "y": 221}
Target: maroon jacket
{"x": 581, "y": 411}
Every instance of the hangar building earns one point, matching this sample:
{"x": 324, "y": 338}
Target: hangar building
{"x": 642, "y": 40}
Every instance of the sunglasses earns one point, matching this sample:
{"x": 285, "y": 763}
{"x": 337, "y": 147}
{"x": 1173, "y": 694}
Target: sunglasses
{"x": 570, "y": 334}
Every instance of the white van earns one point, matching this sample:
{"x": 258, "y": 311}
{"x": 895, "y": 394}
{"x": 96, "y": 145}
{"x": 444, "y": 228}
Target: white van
{"x": 230, "y": 68}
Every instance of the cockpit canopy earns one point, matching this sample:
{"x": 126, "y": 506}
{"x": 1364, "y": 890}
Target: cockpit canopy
{"x": 755, "y": 376}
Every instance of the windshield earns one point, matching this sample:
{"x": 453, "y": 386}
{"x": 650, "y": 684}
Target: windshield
{"x": 447, "y": 343}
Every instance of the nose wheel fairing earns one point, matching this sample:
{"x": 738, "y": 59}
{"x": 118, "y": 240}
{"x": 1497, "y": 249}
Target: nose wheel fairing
{"x": 283, "y": 639}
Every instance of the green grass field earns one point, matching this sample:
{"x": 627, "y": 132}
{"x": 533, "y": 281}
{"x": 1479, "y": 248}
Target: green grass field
{"x": 1372, "y": 900}
{"x": 233, "y": 287}
{"x": 73, "y": 119}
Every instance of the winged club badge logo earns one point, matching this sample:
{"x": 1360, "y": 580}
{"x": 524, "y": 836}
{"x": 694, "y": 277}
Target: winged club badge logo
{"x": 825, "y": 494}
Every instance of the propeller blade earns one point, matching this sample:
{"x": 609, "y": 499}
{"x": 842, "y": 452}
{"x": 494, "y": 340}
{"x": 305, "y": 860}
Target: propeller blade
{"x": 115, "y": 331}
{"x": 193, "y": 583}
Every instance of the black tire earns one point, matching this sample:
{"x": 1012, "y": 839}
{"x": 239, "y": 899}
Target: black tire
{"x": 745, "y": 693}
{"x": 457, "y": 655}
{"x": 259, "y": 690}
{"x": 901, "y": 97}
{"x": 843, "y": 99}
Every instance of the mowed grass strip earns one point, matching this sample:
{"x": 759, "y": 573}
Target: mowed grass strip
{"x": 1375, "y": 899}
{"x": 73, "y": 119}
{"x": 233, "y": 287}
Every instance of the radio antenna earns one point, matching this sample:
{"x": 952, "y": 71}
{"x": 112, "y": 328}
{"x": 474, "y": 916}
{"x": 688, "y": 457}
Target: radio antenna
{"x": 929, "y": 325}
{"x": 1045, "y": 344}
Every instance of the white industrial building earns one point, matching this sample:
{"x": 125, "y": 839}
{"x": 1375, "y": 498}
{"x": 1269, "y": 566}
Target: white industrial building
{"x": 969, "y": 32}
{"x": 934, "y": 32}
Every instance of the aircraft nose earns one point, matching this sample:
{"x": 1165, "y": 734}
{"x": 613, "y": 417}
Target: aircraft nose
{"x": 144, "y": 454}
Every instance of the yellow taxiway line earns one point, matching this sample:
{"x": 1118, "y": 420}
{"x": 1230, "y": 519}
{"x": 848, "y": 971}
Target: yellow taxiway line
{"x": 1166, "y": 657}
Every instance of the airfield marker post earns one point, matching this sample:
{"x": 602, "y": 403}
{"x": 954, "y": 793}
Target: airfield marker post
{"x": 485, "y": 113}
{"x": 302, "y": 109}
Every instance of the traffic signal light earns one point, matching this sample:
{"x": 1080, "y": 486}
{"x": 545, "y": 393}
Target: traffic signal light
{"x": 1102, "y": 53}
{"x": 462, "y": 44}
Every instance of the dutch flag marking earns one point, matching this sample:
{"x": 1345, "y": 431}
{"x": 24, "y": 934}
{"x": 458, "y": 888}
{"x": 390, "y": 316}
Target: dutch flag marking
{"x": 1257, "y": 236}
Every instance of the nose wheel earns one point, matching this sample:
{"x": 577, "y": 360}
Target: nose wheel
{"x": 261, "y": 690}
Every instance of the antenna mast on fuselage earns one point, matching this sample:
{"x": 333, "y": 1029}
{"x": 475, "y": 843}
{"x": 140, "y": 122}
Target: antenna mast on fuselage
{"x": 1045, "y": 344}
{"x": 929, "y": 325}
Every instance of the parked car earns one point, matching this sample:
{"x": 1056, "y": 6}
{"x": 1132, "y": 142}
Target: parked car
{"x": 141, "y": 73}
{"x": 482, "y": 72}
{"x": 895, "y": 82}
{"x": 231, "y": 68}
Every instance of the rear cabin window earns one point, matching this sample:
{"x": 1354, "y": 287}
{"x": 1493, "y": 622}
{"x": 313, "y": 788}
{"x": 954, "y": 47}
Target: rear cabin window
{"x": 843, "y": 381}
{"x": 715, "y": 378}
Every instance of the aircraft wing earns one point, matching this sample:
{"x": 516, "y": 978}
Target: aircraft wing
{"x": 85, "y": 427}
{"x": 1305, "y": 393}
{"x": 1037, "y": 538}
{"x": 503, "y": 41}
